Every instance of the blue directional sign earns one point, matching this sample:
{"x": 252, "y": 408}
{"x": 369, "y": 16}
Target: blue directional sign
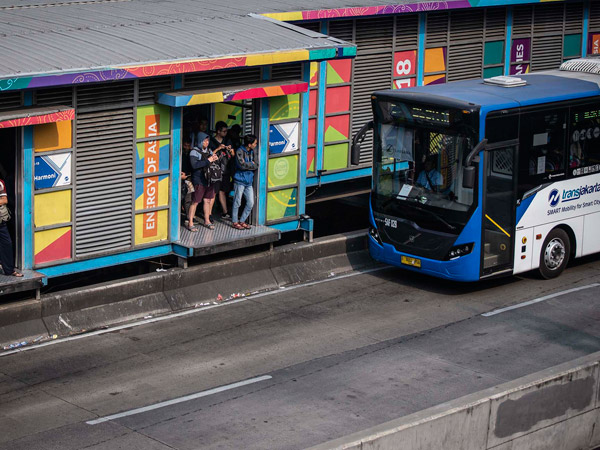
{"x": 52, "y": 171}
{"x": 277, "y": 140}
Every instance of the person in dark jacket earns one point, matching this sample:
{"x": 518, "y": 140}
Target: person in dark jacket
{"x": 242, "y": 181}
{"x": 203, "y": 191}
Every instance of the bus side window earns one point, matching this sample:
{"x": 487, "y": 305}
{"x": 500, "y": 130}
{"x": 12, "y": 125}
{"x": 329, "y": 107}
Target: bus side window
{"x": 542, "y": 148}
{"x": 502, "y": 128}
{"x": 584, "y": 139}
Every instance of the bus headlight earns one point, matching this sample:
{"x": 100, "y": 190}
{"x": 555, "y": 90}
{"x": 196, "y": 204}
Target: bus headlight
{"x": 375, "y": 235}
{"x": 459, "y": 250}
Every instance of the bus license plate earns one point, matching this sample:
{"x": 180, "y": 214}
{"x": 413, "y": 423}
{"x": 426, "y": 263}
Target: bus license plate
{"x": 414, "y": 262}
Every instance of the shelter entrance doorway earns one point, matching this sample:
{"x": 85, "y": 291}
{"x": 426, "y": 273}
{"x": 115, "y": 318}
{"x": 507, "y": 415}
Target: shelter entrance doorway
{"x": 10, "y": 173}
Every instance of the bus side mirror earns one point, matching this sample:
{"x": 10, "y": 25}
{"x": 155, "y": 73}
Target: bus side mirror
{"x": 357, "y": 140}
{"x": 468, "y": 181}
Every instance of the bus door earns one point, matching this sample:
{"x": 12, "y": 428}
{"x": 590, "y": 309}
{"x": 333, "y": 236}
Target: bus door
{"x": 499, "y": 207}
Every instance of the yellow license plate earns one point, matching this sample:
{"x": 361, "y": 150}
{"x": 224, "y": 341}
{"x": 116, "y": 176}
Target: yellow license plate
{"x": 414, "y": 262}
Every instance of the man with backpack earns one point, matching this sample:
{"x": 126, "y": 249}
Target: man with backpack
{"x": 206, "y": 171}
{"x": 243, "y": 178}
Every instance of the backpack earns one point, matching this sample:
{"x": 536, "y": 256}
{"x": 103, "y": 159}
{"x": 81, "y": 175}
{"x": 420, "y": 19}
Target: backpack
{"x": 213, "y": 173}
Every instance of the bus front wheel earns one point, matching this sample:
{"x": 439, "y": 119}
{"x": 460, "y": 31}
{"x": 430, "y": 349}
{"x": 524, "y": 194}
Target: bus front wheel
{"x": 555, "y": 254}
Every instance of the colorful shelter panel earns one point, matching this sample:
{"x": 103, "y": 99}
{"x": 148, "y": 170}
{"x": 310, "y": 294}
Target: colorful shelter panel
{"x": 153, "y": 120}
{"x": 520, "y": 50}
{"x": 228, "y": 113}
{"x": 151, "y": 227}
{"x": 283, "y": 138}
{"x": 493, "y": 53}
{"x": 312, "y": 102}
{"x": 337, "y": 99}
{"x": 284, "y": 107}
{"x": 593, "y": 47}
{"x": 53, "y": 136}
{"x": 339, "y": 71}
{"x": 519, "y": 69}
{"x": 35, "y": 116}
{"x": 337, "y": 128}
{"x": 314, "y": 74}
{"x": 434, "y": 79}
{"x": 310, "y": 161}
{"x": 572, "y": 46}
{"x": 282, "y": 204}
{"x": 151, "y": 192}
{"x": 490, "y": 72}
{"x": 404, "y": 83}
{"x": 52, "y": 208}
{"x": 52, "y": 245}
{"x": 52, "y": 171}
{"x": 435, "y": 60}
{"x": 283, "y": 171}
{"x": 335, "y": 156}
{"x": 231, "y": 94}
{"x": 152, "y": 156}
{"x": 405, "y": 63}
{"x": 312, "y": 132}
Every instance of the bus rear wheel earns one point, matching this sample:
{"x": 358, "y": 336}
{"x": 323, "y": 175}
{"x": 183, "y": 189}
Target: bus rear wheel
{"x": 554, "y": 256}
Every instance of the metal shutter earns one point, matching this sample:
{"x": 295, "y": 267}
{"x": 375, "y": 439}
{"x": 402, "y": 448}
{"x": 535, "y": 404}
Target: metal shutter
{"x": 10, "y": 100}
{"x": 104, "y": 181}
{"x": 149, "y": 87}
{"x": 220, "y": 78}
{"x": 546, "y": 49}
{"x": 372, "y": 72}
{"x": 55, "y": 96}
{"x": 286, "y": 72}
{"x": 495, "y": 24}
{"x": 595, "y": 16}
{"x": 437, "y": 29}
{"x": 104, "y": 168}
{"x": 522, "y": 21}
{"x": 312, "y": 26}
{"x": 407, "y": 32}
{"x": 465, "y": 52}
{"x": 573, "y": 18}
{"x": 342, "y": 29}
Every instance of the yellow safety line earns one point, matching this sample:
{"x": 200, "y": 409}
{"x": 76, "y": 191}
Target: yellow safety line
{"x": 501, "y": 229}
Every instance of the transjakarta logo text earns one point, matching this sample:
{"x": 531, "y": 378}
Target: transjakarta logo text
{"x": 569, "y": 195}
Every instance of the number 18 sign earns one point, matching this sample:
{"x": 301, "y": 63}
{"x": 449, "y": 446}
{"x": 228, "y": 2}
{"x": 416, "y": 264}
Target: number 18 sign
{"x": 405, "y": 65}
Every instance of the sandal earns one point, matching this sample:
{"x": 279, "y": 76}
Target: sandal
{"x": 245, "y": 226}
{"x": 210, "y": 226}
{"x": 16, "y": 274}
{"x": 237, "y": 226}
{"x": 191, "y": 228}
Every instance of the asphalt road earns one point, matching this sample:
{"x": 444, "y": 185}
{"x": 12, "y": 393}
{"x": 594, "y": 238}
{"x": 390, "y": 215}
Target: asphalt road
{"x": 335, "y": 358}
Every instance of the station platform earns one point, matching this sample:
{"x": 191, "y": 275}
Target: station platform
{"x": 222, "y": 239}
{"x": 30, "y": 281}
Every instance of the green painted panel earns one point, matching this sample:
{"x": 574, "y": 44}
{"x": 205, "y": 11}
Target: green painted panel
{"x": 572, "y": 45}
{"x": 335, "y": 156}
{"x": 153, "y": 120}
{"x": 283, "y": 171}
{"x": 230, "y": 114}
{"x": 281, "y": 204}
{"x": 494, "y": 53}
{"x": 332, "y": 135}
{"x": 493, "y": 72}
{"x": 284, "y": 107}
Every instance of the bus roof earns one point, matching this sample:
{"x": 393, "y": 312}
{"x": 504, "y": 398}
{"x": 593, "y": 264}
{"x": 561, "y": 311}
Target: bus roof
{"x": 541, "y": 87}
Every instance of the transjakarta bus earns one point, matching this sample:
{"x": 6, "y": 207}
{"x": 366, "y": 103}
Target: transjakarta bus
{"x": 480, "y": 178}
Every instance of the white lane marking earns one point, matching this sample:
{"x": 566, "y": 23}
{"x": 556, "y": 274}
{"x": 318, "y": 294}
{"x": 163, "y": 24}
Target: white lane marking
{"x": 188, "y": 312}
{"x": 537, "y": 300}
{"x": 179, "y": 400}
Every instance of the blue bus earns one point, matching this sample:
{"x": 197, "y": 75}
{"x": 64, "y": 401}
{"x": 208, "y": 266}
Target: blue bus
{"x": 482, "y": 178}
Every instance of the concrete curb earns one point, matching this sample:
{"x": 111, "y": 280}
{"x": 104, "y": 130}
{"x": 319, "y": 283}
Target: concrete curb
{"x": 77, "y": 310}
{"x": 555, "y": 408}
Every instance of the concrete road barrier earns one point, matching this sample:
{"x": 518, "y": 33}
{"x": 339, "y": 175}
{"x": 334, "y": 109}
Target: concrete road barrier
{"x": 76, "y": 310}
{"x": 558, "y": 408}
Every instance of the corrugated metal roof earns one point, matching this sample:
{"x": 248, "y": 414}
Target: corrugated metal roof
{"x": 67, "y": 36}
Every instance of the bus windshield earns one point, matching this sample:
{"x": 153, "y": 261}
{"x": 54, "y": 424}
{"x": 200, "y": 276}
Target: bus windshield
{"x": 419, "y": 155}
